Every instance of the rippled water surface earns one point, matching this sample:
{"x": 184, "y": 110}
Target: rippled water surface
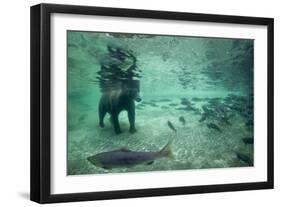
{"x": 202, "y": 86}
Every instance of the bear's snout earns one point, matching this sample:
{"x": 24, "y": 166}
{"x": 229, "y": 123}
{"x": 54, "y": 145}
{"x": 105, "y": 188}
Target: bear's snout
{"x": 138, "y": 99}
{"x": 137, "y": 96}
{"x": 134, "y": 94}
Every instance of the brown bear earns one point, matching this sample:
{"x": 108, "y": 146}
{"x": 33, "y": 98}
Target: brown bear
{"x": 119, "y": 83}
{"x": 116, "y": 100}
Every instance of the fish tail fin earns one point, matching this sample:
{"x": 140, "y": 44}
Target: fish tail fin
{"x": 167, "y": 150}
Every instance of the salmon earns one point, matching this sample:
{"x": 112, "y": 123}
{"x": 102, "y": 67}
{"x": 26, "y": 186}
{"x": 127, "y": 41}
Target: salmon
{"x": 124, "y": 157}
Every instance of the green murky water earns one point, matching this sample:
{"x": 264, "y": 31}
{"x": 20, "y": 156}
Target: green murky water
{"x": 208, "y": 82}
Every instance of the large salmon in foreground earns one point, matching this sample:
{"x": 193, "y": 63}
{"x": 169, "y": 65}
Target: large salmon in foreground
{"x": 124, "y": 157}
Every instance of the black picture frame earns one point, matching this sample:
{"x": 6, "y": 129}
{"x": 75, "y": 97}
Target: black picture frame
{"x": 41, "y": 98}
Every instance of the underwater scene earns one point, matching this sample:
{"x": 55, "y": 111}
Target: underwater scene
{"x": 142, "y": 102}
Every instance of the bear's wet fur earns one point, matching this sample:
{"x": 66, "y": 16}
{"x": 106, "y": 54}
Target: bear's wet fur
{"x": 120, "y": 99}
{"x": 119, "y": 83}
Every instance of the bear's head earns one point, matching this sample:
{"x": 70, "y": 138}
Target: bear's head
{"x": 131, "y": 88}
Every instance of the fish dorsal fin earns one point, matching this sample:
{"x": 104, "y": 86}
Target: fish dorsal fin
{"x": 150, "y": 162}
{"x": 123, "y": 149}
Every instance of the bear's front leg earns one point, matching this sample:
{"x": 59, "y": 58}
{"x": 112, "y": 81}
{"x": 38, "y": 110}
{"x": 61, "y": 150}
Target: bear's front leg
{"x": 115, "y": 123}
{"x": 102, "y": 113}
{"x": 131, "y": 117}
